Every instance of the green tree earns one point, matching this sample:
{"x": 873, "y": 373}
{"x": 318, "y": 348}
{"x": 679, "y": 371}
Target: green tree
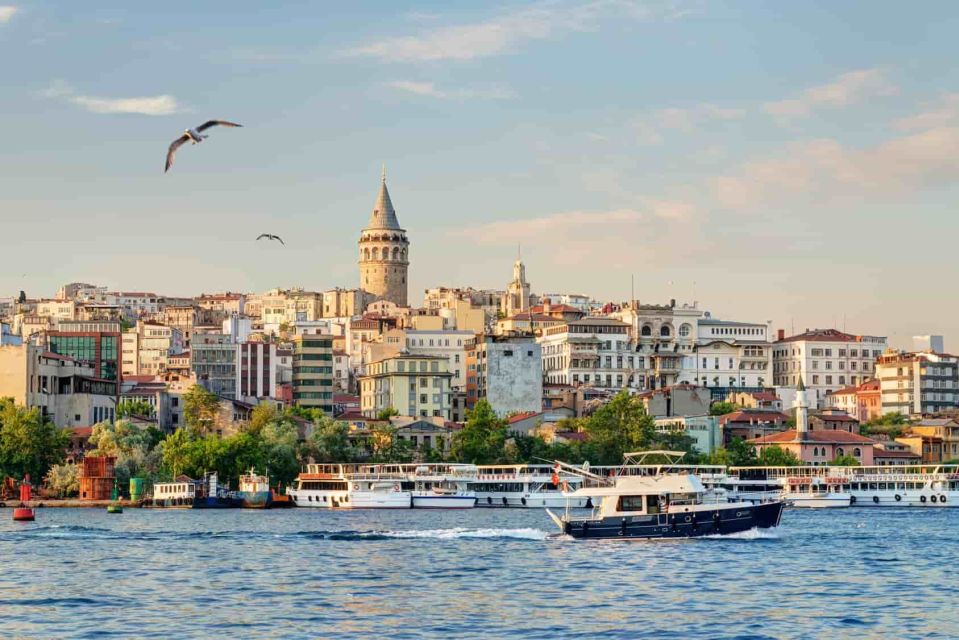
{"x": 891, "y": 424}
{"x": 722, "y": 408}
{"x": 844, "y": 461}
{"x": 386, "y": 414}
{"x": 134, "y": 447}
{"x": 330, "y": 441}
{"x": 386, "y": 446}
{"x": 63, "y": 480}
{"x": 619, "y": 426}
{"x": 179, "y": 452}
{"x": 200, "y": 408}
{"x": 776, "y": 456}
{"x": 482, "y": 439}
{"x": 741, "y": 454}
{"x": 29, "y": 444}
{"x": 139, "y": 408}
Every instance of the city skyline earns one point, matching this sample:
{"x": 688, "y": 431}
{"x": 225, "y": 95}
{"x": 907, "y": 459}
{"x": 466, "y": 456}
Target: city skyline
{"x": 809, "y": 190}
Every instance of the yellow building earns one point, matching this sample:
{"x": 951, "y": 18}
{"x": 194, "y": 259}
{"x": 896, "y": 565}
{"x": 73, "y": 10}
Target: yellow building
{"x": 413, "y": 385}
{"x": 313, "y": 372}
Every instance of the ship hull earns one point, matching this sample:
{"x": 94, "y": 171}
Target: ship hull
{"x": 711, "y": 522}
{"x": 432, "y": 501}
{"x": 255, "y": 499}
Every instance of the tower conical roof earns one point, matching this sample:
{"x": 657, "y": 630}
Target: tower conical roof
{"x": 383, "y": 216}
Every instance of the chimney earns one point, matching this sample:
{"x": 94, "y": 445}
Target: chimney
{"x": 672, "y": 303}
{"x": 546, "y": 306}
{"x": 780, "y": 334}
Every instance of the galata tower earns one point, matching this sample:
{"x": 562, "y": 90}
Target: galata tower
{"x": 384, "y": 252}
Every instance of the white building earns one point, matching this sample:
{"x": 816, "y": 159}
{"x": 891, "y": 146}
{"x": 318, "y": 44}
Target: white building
{"x": 508, "y": 372}
{"x": 257, "y": 371}
{"x": 826, "y": 360}
{"x": 729, "y": 355}
{"x": 594, "y": 352}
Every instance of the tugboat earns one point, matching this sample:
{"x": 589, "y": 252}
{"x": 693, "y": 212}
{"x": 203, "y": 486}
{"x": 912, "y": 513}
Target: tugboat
{"x": 254, "y": 491}
{"x": 658, "y": 503}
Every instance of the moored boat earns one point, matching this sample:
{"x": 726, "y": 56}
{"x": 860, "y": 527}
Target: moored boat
{"x": 526, "y": 485}
{"x": 444, "y": 486}
{"x": 817, "y": 492}
{"x": 254, "y": 491}
{"x": 663, "y": 504}
{"x": 339, "y": 486}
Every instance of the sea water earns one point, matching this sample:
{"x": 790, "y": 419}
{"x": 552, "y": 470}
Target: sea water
{"x": 302, "y": 573}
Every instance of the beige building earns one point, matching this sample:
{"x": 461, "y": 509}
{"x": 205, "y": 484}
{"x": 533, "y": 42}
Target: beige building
{"x": 413, "y": 385}
{"x": 313, "y": 372}
{"x": 827, "y": 360}
{"x": 917, "y": 383}
{"x": 64, "y": 390}
{"x": 384, "y": 252}
{"x": 345, "y": 303}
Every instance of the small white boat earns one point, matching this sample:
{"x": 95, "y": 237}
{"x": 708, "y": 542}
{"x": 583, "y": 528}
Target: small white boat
{"x": 661, "y": 503}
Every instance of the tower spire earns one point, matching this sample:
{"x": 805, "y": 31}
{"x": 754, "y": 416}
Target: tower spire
{"x": 383, "y": 175}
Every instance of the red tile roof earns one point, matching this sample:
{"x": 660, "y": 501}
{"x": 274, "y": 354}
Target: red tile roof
{"x": 753, "y": 416}
{"x": 82, "y": 432}
{"x": 519, "y": 417}
{"x": 765, "y": 396}
{"x": 556, "y": 308}
{"x": 885, "y": 453}
{"x": 826, "y": 436}
{"x": 822, "y": 335}
{"x": 534, "y": 317}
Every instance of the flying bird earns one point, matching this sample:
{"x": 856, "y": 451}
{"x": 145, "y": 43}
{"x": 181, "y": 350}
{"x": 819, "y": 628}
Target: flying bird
{"x": 270, "y": 236}
{"x": 194, "y": 136}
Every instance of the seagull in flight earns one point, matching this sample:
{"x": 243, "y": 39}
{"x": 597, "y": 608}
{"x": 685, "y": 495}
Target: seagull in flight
{"x": 270, "y": 236}
{"x": 194, "y": 136}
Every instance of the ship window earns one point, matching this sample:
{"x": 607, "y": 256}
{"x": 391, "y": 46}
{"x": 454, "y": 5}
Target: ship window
{"x": 630, "y": 503}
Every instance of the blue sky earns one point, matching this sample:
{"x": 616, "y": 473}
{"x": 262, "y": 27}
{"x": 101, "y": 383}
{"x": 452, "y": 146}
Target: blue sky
{"x": 793, "y": 162}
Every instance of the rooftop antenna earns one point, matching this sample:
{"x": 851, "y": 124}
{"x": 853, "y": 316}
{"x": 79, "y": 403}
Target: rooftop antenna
{"x": 632, "y": 289}
{"x": 383, "y": 174}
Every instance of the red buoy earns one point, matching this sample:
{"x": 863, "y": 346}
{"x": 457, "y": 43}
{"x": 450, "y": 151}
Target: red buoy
{"x": 24, "y": 514}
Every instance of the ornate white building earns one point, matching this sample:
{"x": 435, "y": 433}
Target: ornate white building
{"x": 384, "y": 252}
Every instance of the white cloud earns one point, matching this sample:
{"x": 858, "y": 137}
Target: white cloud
{"x": 609, "y": 237}
{"x": 942, "y": 113}
{"x": 849, "y": 88}
{"x": 6, "y": 13}
{"x": 824, "y": 171}
{"x": 499, "y": 35}
{"x": 649, "y": 126}
{"x": 162, "y": 105}
{"x": 431, "y": 90}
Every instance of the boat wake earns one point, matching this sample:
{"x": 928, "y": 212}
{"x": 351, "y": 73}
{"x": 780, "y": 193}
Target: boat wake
{"x": 749, "y": 534}
{"x": 97, "y": 533}
{"x": 436, "y": 534}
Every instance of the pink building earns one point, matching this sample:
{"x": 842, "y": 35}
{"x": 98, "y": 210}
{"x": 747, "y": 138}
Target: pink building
{"x": 818, "y": 447}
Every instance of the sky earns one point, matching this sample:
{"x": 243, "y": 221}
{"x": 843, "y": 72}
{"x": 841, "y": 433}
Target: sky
{"x": 786, "y": 162}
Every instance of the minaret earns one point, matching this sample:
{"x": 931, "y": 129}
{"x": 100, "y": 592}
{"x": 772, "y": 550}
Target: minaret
{"x": 802, "y": 411}
{"x": 384, "y": 251}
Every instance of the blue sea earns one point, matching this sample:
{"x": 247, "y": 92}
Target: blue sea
{"x": 846, "y": 573}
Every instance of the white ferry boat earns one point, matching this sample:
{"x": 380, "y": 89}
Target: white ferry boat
{"x": 817, "y": 492}
{"x": 875, "y": 486}
{"x": 443, "y": 486}
{"x": 338, "y": 486}
{"x": 526, "y": 485}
